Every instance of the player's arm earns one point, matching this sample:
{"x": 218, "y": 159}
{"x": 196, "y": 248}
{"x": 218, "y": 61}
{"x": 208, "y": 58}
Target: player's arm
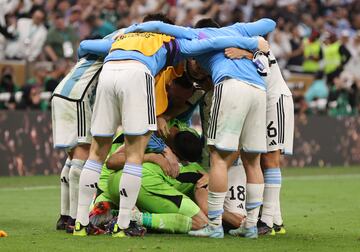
{"x": 201, "y": 197}
{"x": 191, "y": 48}
{"x": 238, "y": 53}
{"x": 99, "y": 47}
{"x": 161, "y": 27}
{"x": 260, "y": 27}
{"x": 167, "y": 160}
{"x": 117, "y": 160}
{"x": 201, "y": 192}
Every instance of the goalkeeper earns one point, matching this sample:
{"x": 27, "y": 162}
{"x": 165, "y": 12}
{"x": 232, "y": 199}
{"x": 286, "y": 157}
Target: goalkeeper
{"x": 168, "y": 204}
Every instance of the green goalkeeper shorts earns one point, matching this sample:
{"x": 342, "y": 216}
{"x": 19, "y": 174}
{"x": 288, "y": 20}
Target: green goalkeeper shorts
{"x": 156, "y": 196}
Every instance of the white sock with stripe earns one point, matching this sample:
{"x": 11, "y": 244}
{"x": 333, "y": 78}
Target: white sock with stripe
{"x": 64, "y": 188}
{"x": 129, "y": 188}
{"x": 216, "y": 207}
{"x": 74, "y": 176}
{"x": 272, "y": 179}
{"x": 89, "y": 178}
{"x": 254, "y": 197}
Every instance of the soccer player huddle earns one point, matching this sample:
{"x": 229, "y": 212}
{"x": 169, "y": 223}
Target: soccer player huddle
{"x": 134, "y": 162}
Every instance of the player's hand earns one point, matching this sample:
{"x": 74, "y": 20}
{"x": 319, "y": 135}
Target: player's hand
{"x": 173, "y": 168}
{"x": 163, "y": 128}
{"x": 203, "y": 181}
{"x": 161, "y": 161}
{"x": 263, "y": 45}
{"x": 237, "y": 53}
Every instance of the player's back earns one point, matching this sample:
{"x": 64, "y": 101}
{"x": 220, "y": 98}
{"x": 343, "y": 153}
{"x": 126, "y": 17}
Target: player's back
{"x": 81, "y": 77}
{"x": 147, "y": 48}
{"x": 184, "y": 183}
{"x": 221, "y": 67}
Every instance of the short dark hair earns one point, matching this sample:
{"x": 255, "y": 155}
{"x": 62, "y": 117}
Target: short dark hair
{"x": 157, "y": 17}
{"x": 184, "y": 82}
{"x": 38, "y": 8}
{"x": 188, "y": 146}
{"x": 207, "y": 22}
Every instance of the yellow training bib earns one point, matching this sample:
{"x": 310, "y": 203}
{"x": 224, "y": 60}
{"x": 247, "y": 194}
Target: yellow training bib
{"x": 147, "y": 43}
{"x": 161, "y": 80}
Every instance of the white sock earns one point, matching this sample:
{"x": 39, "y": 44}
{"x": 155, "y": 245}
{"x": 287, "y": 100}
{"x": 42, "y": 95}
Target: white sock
{"x": 277, "y": 215}
{"x": 216, "y": 207}
{"x": 74, "y": 176}
{"x": 277, "y": 212}
{"x": 129, "y": 188}
{"x": 272, "y": 179}
{"x": 254, "y": 197}
{"x": 64, "y": 188}
{"x": 89, "y": 178}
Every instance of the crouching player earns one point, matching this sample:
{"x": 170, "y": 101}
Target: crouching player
{"x": 169, "y": 203}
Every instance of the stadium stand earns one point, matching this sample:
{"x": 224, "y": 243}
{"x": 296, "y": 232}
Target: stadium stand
{"x": 323, "y": 82}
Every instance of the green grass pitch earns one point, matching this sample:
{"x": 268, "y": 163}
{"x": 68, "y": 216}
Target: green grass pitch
{"x": 321, "y": 208}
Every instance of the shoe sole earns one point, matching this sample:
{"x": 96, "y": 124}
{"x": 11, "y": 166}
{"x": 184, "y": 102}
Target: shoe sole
{"x": 80, "y": 233}
{"x": 216, "y": 235}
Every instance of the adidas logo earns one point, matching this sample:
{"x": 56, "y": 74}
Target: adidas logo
{"x": 241, "y": 206}
{"x": 272, "y": 143}
{"x": 123, "y": 192}
{"x": 63, "y": 179}
{"x": 93, "y": 186}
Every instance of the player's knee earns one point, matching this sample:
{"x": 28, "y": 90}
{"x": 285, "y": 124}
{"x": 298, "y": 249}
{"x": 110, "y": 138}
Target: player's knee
{"x": 81, "y": 152}
{"x": 270, "y": 160}
{"x": 99, "y": 149}
{"x": 250, "y": 160}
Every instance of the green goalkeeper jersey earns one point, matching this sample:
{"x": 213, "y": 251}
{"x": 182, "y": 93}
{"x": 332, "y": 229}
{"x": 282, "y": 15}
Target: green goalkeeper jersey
{"x": 155, "y": 180}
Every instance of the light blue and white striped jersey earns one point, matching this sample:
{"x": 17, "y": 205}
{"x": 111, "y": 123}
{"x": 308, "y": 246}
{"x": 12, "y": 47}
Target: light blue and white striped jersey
{"x": 83, "y": 77}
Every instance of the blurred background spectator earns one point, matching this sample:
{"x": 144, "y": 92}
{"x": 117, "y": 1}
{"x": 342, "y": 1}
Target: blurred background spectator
{"x": 316, "y": 42}
{"x": 29, "y": 39}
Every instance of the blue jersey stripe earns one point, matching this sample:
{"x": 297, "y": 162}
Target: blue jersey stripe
{"x": 69, "y": 85}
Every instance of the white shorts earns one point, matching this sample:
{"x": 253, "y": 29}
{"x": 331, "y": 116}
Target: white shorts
{"x": 280, "y": 125}
{"x": 124, "y": 96}
{"x": 237, "y": 119}
{"x": 236, "y": 196}
{"x": 70, "y": 122}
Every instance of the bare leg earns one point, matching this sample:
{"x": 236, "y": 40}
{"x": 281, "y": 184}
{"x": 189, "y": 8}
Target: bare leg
{"x": 254, "y": 187}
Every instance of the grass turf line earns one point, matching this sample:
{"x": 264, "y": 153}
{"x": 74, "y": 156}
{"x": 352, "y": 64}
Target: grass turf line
{"x": 321, "y": 214}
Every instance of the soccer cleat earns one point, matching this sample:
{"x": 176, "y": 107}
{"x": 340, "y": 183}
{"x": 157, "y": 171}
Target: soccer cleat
{"x": 61, "y": 222}
{"x": 279, "y": 229}
{"x": 251, "y": 232}
{"x": 70, "y": 225}
{"x": 80, "y": 230}
{"x": 133, "y": 230}
{"x": 209, "y": 231}
{"x": 264, "y": 229}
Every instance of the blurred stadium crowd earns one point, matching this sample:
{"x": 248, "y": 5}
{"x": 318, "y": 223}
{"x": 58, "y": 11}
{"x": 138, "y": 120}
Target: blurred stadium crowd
{"x": 317, "y": 43}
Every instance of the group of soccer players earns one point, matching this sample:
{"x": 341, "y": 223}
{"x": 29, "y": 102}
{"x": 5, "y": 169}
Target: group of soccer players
{"x": 148, "y": 79}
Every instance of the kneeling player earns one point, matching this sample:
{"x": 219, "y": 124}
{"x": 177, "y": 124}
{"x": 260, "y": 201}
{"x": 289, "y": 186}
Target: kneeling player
{"x": 168, "y": 200}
